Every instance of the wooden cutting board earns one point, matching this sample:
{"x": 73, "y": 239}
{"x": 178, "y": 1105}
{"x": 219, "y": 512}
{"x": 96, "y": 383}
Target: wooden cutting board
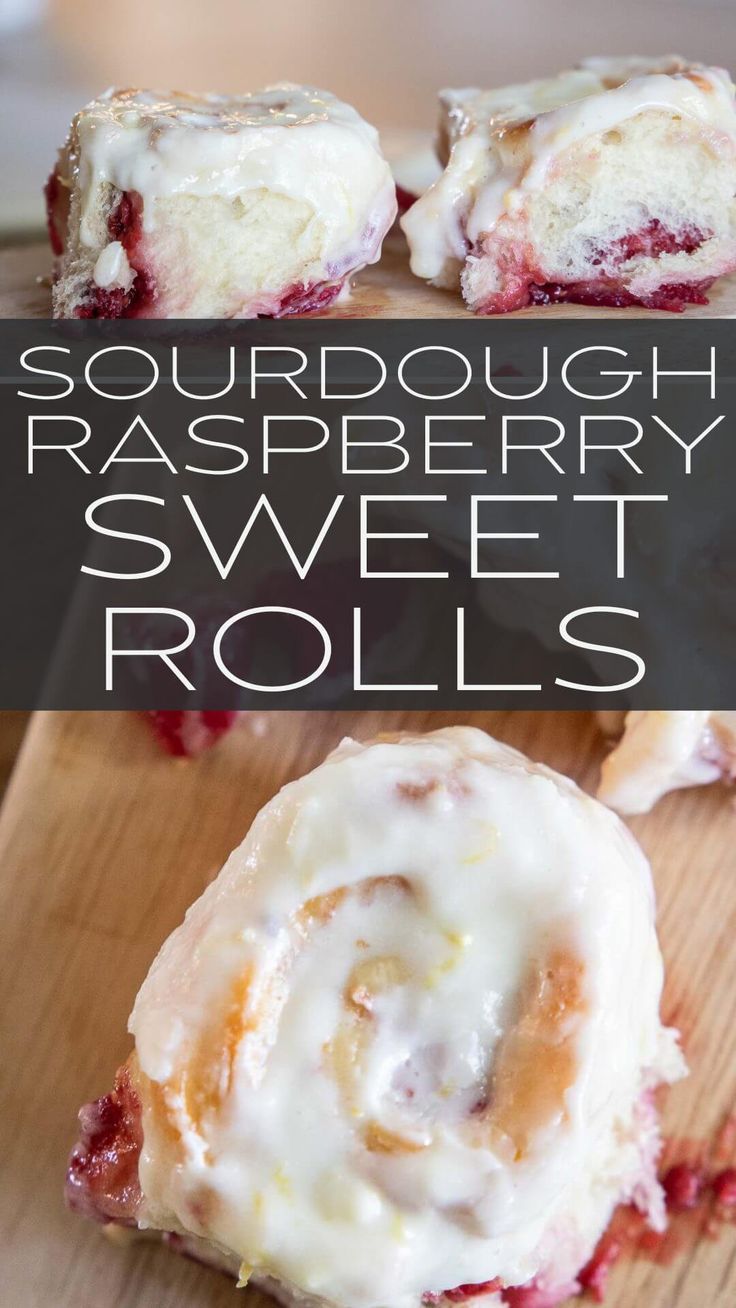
{"x": 387, "y": 290}
{"x": 104, "y": 841}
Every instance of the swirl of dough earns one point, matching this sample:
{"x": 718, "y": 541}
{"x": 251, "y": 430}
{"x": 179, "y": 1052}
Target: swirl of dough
{"x": 406, "y": 1041}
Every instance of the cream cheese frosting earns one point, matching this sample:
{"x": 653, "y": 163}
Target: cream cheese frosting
{"x": 290, "y": 139}
{"x": 112, "y": 268}
{"x": 405, "y": 1041}
{"x": 503, "y": 144}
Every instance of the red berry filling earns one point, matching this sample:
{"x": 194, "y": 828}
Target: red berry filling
{"x": 57, "y": 211}
{"x": 186, "y": 733}
{"x": 536, "y": 1296}
{"x": 670, "y": 297}
{"x": 404, "y": 200}
{"x": 116, "y": 303}
{"x": 652, "y": 240}
{"x": 683, "y": 1186}
{"x": 124, "y": 225}
{"x": 724, "y": 1188}
{"x": 124, "y": 220}
{"x": 594, "y": 1276}
{"x": 526, "y": 285}
{"x": 462, "y": 1292}
{"x": 531, "y": 1295}
{"x": 102, "y": 1176}
{"x": 306, "y": 299}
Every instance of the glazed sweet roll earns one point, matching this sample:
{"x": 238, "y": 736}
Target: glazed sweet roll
{"x": 659, "y": 751}
{"x": 165, "y": 205}
{"x": 406, "y": 1042}
{"x": 611, "y": 184}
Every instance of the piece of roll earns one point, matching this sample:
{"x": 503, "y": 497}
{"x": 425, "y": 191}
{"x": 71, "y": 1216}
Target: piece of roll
{"x": 166, "y": 205}
{"x": 612, "y": 184}
{"x": 660, "y": 751}
{"x": 404, "y": 1047}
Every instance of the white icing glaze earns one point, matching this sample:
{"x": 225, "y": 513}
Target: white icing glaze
{"x": 666, "y": 750}
{"x": 505, "y": 141}
{"x": 295, "y": 141}
{"x": 112, "y": 268}
{"x": 353, "y": 978}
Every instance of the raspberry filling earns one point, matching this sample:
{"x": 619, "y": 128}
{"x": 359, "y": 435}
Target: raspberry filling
{"x": 186, "y": 733}
{"x": 651, "y": 241}
{"x": 306, "y": 299}
{"x": 536, "y": 1296}
{"x": 404, "y": 199}
{"x": 462, "y": 1292}
{"x": 124, "y": 221}
{"x": 683, "y": 1186}
{"x": 102, "y": 1176}
{"x": 670, "y": 297}
{"x": 594, "y": 1276}
{"x": 532, "y": 1295}
{"x": 526, "y": 285}
{"x": 57, "y": 211}
{"x": 124, "y": 225}
{"x": 724, "y": 1188}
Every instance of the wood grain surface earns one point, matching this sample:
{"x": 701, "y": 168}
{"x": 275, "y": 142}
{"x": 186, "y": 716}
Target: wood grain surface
{"x": 12, "y": 729}
{"x": 105, "y": 841}
{"x": 387, "y": 290}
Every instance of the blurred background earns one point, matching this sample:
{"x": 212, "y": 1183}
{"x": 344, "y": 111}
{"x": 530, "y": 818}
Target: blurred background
{"x": 386, "y": 56}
